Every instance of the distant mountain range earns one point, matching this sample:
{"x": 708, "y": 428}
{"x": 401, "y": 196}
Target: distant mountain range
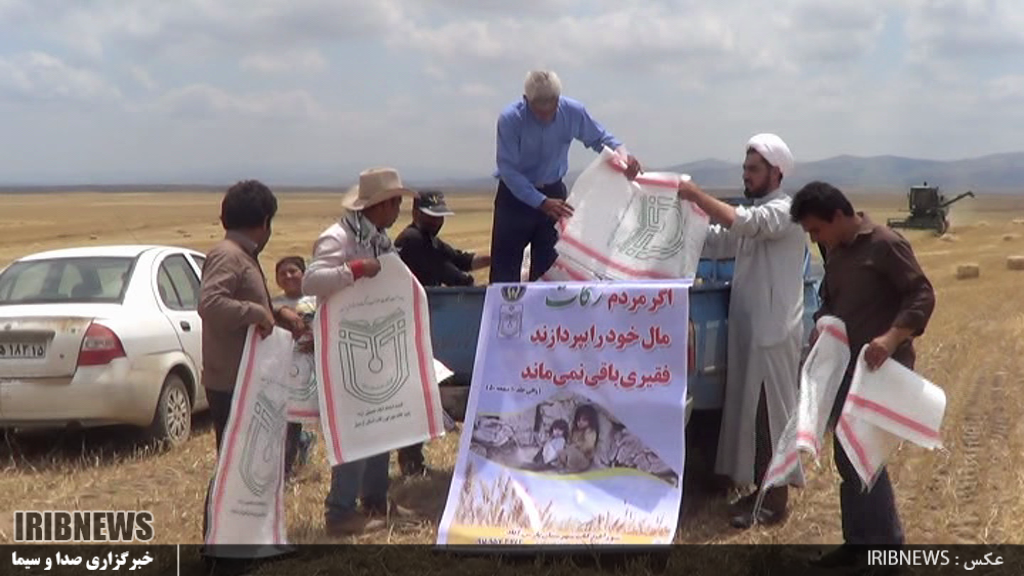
{"x": 995, "y": 173}
{"x": 999, "y": 173}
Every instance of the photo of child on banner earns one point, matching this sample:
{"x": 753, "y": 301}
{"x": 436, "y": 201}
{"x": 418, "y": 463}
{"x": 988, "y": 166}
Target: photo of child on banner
{"x": 566, "y": 434}
{"x": 378, "y": 387}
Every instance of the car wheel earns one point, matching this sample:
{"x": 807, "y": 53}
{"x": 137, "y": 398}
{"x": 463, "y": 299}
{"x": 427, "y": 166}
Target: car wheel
{"x": 172, "y": 423}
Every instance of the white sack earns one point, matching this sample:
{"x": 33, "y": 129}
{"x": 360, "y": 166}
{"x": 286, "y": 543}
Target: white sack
{"x": 375, "y": 366}
{"x": 303, "y": 398}
{"x": 247, "y": 502}
{"x": 624, "y": 230}
{"x": 882, "y": 409}
{"x": 820, "y": 378}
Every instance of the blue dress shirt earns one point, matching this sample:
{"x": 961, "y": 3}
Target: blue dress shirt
{"x": 532, "y": 154}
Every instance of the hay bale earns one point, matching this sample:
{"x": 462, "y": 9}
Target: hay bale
{"x": 1015, "y": 262}
{"x": 1010, "y": 237}
{"x": 1018, "y": 220}
{"x": 965, "y": 271}
{"x": 949, "y": 238}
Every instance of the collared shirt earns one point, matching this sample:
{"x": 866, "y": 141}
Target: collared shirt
{"x": 873, "y": 284}
{"x": 351, "y": 238}
{"x": 232, "y": 296}
{"x": 766, "y": 299}
{"x": 433, "y": 261}
{"x": 532, "y": 154}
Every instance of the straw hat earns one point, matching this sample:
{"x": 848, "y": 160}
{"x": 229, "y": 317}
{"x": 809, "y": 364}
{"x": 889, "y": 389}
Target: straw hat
{"x": 375, "y": 186}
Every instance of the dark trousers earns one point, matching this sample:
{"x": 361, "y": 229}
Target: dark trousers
{"x": 869, "y": 518}
{"x": 410, "y": 458}
{"x": 367, "y": 478}
{"x": 220, "y": 410}
{"x": 516, "y": 226}
{"x": 291, "y": 446}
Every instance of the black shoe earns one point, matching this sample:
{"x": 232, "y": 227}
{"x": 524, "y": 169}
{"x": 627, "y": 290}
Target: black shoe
{"x": 765, "y": 516}
{"x": 744, "y": 505}
{"x": 842, "y": 557}
{"x": 413, "y": 468}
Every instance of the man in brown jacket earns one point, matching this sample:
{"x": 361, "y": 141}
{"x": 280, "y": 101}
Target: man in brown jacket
{"x": 233, "y": 295}
{"x": 874, "y": 284}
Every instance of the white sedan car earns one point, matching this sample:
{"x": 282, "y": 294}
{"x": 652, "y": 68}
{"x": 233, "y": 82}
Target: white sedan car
{"x": 102, "y": 335}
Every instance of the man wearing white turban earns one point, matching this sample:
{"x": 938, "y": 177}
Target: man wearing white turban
{"x": 765, "y": 321}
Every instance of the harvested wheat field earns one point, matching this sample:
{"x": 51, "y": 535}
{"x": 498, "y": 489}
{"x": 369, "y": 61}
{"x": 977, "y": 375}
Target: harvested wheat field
{"x": 972, "y": 492}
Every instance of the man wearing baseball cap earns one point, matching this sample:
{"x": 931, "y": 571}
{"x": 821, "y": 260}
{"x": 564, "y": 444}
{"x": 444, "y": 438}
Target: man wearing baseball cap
{"x": 434, "y": 263}
{"x": 432, "y": 260}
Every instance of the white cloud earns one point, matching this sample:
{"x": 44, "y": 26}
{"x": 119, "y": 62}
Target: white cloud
{"x": 728, "y": 39}
{"x": 1009, "y": 89}
{"x": 41, "y": 76}
{"x": 475, "y": 89}
{"x": 956, "y": 30}
{"x": 202, "y": 26}
{"x": 834, "y": 32}
{"x": 308, "y": 60}
{"x": 203, "y": 100}
{"x": 143, "y": 77}
{"x": 675, "y": 79}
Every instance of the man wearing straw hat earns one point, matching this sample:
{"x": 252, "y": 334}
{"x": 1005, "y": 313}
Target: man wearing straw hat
{"x": 343, "y": 254}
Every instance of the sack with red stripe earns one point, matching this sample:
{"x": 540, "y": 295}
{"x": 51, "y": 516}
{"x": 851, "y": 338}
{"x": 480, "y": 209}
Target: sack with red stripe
{"x": 883, "y": 408}
{"x": 820, "y": 378}
{"x": 631, "y": 230}
{"x": 566, "y": 270}
{"x": 375, "y": 369}
{"x": 247, "y": 500}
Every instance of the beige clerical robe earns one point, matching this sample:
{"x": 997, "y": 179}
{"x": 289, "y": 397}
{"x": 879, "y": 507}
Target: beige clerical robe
{"x": 765, "y": 327}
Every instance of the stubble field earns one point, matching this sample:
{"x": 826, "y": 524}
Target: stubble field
{"x": 971, "y": 492}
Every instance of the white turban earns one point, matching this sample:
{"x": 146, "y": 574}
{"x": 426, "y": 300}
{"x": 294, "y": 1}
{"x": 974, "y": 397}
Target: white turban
{"x": 774, "y": 150}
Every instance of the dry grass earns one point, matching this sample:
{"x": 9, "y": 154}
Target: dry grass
{"x": 972, "y": 491}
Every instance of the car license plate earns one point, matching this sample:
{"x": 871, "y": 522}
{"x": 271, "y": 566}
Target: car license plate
{"x": 21, "y": 350}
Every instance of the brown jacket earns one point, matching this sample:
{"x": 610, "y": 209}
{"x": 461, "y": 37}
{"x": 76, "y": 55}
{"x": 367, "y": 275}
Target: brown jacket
{"x": 232, "y": 297}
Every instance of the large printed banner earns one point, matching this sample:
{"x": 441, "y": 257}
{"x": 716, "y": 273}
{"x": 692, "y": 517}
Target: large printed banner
{"x": 574, "y": 430}
{"x": 375, "y": 366}
{"x": 247, "y": 502}
{"x": 623, "y": 230}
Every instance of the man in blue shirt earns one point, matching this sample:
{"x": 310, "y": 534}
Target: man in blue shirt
{"x": 534, "y": 135}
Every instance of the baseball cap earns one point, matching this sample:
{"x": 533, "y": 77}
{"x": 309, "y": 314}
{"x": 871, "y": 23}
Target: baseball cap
{"x": 432, "y": 204}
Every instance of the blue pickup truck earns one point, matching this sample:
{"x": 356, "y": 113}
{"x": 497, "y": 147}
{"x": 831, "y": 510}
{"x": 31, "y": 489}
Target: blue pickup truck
{"x": 455, "y": 315}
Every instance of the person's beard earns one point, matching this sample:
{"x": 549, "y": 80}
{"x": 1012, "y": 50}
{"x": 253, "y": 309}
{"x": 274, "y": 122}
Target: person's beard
{"x": 757, "y": 192}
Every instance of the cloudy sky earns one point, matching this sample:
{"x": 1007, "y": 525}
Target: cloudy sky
{"x": 311, "y": 90}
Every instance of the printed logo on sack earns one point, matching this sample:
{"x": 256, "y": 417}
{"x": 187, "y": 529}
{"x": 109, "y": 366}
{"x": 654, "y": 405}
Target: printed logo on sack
{"x": 258, "y": 469}
{"x": 658, "y": 234}
{"x": 513, "y": 293}
{"x": 301, "y": 385}
{"x": 374, "y": 357}
{"x": 83, "y": 526}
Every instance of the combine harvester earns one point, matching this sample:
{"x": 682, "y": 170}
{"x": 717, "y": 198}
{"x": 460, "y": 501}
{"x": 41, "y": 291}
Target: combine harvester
{"x": 929, "y": 209}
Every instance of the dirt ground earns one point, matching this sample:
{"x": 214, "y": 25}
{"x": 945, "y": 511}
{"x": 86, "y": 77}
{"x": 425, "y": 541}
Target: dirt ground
{"x": 969, "y": 492}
